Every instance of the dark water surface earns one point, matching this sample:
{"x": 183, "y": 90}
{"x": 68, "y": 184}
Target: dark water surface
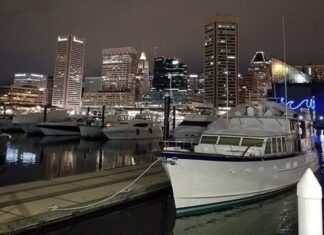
{"x": 36, "y": 158}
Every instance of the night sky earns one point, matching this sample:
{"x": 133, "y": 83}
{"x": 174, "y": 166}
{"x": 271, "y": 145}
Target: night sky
{"x": 29, "y": 30}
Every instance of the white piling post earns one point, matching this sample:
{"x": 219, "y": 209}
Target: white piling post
{"x": 309, "y": 194}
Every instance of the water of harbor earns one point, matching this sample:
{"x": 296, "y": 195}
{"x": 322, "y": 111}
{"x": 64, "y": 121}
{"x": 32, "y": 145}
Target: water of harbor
{"x": 37, "y": 158}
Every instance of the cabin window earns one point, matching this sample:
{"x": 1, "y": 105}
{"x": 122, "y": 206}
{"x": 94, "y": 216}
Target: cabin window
{"x": 141, "y": 124}
{"x": 274, "y": 145}
{"x": 284, "y": 146}
{"x": 268, "y": 147}
{"x": 209, "y": 139}
{"x": 252, "y": 142}
{"x": 279, "y": 145}
{"x": 229, "y": 140}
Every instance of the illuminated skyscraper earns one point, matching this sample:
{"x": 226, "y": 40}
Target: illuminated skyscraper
{"x": 221, "y": 61}
{"x": 118, "y": 68}
{"x": 260, "y": 68}
{"x": 68, "y": 72}
{"x": 118, "y": 75}
{"x": 142, "y": 73}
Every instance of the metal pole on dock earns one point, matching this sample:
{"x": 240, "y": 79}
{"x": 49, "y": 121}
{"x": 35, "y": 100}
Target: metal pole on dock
{"x": 4, "y": 110}
{"x": 103, "y": 116}
{"x": 309, "y": 194}
{"x": 167, "y": 101}
{"x": 45, "y": 113}
{"x": 88, "y": 111}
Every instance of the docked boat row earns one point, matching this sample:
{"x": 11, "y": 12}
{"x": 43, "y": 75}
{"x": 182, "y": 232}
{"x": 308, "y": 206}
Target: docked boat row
{"x": 115, "y": 126}
{"x": 259, "y": 150}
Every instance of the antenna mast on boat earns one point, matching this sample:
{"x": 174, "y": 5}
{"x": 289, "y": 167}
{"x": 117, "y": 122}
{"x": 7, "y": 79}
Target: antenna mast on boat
{"x": 227, "y": 109}
{"x": 285, "y": 72}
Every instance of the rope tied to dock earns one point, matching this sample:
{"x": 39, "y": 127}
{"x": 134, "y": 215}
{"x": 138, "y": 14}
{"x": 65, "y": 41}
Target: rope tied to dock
{"x": 57, "y": 208}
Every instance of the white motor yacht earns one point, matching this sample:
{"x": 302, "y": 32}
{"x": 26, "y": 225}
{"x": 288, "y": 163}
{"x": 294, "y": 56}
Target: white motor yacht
{"x": 141, "y": 127}
{"x": 261, "y": 152}
{"x": 93, "y": 128}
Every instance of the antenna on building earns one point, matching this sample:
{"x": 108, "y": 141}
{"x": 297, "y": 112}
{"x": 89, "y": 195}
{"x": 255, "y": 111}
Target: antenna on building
{"x": 155, "y": 51}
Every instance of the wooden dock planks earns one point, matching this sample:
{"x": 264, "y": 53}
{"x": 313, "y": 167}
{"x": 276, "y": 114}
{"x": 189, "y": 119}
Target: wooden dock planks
{"x": 25, "y": 206}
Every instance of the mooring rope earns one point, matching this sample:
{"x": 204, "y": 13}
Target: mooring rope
{"x": 56, "y": 208}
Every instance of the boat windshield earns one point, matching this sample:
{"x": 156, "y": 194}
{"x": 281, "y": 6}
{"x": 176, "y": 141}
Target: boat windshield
{"x": 195, "y": 123}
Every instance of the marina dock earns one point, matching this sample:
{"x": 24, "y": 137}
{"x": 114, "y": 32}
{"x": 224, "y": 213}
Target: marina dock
{"x": 36, "y": 204}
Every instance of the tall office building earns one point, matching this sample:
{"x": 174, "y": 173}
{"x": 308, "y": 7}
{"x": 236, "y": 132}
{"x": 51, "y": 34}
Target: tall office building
{"x": 170, "y": 68}
{"x": 118, "y": 68}
{"x": 260, "y": 68}
{"x": 142, "y": 73}
{"x": 68, "y": 74}
{"x": 221, "y": 61}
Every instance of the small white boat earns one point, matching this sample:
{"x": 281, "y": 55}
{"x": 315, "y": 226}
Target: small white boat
{"x": 190, "y": 129}
{"x": 141, "y": 127}
{"x": 69, "y": 126}
{"x": 259, "y": 153}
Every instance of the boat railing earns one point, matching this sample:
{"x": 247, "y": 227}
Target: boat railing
{"x": 178, "y": 145}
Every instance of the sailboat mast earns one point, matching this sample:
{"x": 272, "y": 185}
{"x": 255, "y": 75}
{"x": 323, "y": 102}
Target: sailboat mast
{"x": 285, "y": 72}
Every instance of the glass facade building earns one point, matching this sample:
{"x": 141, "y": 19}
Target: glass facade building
{"x": 281, "y": 71}
{"x": 166, "y": 69}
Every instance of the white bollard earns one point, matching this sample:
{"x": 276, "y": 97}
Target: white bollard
{"x": 309, "y": 194}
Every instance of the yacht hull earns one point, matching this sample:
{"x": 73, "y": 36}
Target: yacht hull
{"x": 59, "y": 130}
{"x": 91, "y": 131}
{"x": 203, "y": 182}
{"x": 133, "y": 133}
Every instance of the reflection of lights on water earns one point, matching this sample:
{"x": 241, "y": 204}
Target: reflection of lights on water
{"x": 12, "y": 155}
{"x": 26, "y": 157}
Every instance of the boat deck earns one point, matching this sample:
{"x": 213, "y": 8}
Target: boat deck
{"x": 26, "y": 206}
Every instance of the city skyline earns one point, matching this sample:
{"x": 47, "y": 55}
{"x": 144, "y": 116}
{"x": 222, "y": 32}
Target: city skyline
{"x": 163, "y": 28}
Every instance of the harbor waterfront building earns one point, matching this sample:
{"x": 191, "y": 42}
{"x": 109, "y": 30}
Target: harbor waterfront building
{"x": 68, "y": 74}
{"x": 221, "y": 61}
{"x": 21, "y": 96}
{"x": 95, "y": 100}
{"x": 35, "y": 80}
{"x": 169, "y": 73}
